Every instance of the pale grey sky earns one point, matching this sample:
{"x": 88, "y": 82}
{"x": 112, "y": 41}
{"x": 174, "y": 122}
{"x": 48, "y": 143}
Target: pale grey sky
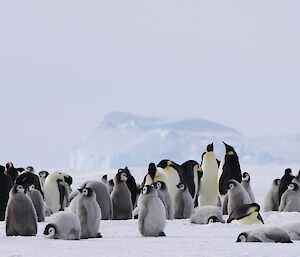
{"x": 65, "y": 64}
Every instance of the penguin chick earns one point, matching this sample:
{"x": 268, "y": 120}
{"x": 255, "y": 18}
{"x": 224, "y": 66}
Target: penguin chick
{"x": 206, "y": 215}
{"x": 271, "y": 201}
{"x": 165, "y": 197}
{"x": 292, "y": 228}
{"x": 266, "y": 235}
{"x": 246, "y": 214}
{"x": 121, "y": 198}
{"x": 38, "y": 202}
{"x": 63, "y": 225}
{"x": 21, "y": 217}
{"x": 89, "y": 213}
{"x": 152, "y": 214}
{"x": 237, "y": 195}
{"x": 184, "y": 204}
{"x": 290, "y": 200}
{"x": 246, "y": 184}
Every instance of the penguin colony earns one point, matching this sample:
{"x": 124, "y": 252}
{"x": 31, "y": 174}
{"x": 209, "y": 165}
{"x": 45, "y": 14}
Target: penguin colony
{"x": 202, "y": 193}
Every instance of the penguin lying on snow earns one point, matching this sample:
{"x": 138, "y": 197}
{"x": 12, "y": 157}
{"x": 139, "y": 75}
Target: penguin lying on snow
{"x": 152, "y": 214}
{"x": 266, "y": 235}
{"x": 292, "y": 228}
{"x": 206, "y": 215}
{"x": 246, "y": 214}
{"x": 63, "y": 225}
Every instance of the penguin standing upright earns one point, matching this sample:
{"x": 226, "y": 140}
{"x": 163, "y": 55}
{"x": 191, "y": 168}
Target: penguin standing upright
{"x": 38, "y": 202}
{"x": 152, "y": 214}
{"x": 284, "y": 182}
{"x": 21, "y": 217}
{"x": 43, "y": 174}
{"x": 12, "y": 171}
{"x": 184, "y": 204}
{"x": 290, "y": 200}
{"x": 153, "y": 175}
{"x": 246, "y": 184}
{"x": 229, "y": 169}
{"x": 271, "y": 202}
{"x": 209, "y": 180}
{"x": 5, "y": 186}
{"x": 121, "y": 198}
{"x": 131, "y": 184}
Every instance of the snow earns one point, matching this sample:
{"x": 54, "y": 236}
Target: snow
{"x": 124, "y": 139}
{"x": 122, "y": 238}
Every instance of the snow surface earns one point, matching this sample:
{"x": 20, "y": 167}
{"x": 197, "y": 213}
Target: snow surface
{"x": 122, "y": 238}
{"x": 122, "y": 138}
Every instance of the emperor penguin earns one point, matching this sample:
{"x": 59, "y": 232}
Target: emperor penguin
{"x": 237, "y": 195}
{"x": 21, "y": 217}
{"x": 209, "y": 180}
{"x": 27, "y": 178}
{"x": 207, "y": 214}
{"x": 12, "y": 171}
{"x": 102, "y": 197}
{"x": 57, "y": 191}
{"x": 30, "y": 169}
{"x": 271, "y": 201}
{"x": 104, "y": 179}
{"x": 229, "y": 169}
{"x": 38, "y": 202}
{"x": 290, "y": 200}
{"x": 246, "y": 214}
{"x": 284, "y": 182}
{"x": 292, "y": 228}
{"x": 89, "y": 213}
{"x": 246, "y": 184}
{"x": 131, "y": 184}
{"x": 110, "y": 185}
{"x": 152, "y": 214}
{"x": 5, "y": 186}
{"x": 184, "y": 204}
{"x": 164, "y": 195}
{"x": 153, "y": 175}
{"x": 43, "y": 174}
{"x": 63, "y": 225}
{"x": 265, "y": 235}
{"x": 121, "y": 198}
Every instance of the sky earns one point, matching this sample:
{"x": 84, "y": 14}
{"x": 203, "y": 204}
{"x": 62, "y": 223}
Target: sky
{"x": 64, "y": 64}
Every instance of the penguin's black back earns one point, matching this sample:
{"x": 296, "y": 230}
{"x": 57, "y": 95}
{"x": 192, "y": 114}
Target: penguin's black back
{"x": 186, "y": 174}
{"x": 131, "y": 184}
{"x": 5, "y": 186}
{"x": 284, "y": 182}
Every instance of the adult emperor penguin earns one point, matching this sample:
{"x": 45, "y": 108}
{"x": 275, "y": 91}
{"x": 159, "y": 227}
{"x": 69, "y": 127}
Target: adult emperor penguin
{"x": 63, "y": 225}
{"x": 21, "y": 217}
{"x": 271, "y": 201}
{"x": 284, "y": 182}
{"x": 38, "y": 202}
{"x": 27, "y": 178}
{"x": 237, "y": 195}
{"x": 266, "y": 235}
{"x": 246, "y": 214}
{"x": 131, "y": 184}
{"x": 153, "y": 175}
{"x": 209, "y": 180}
{"x": 5, "y": 186}
{"x": 102, "y": 197}
{"x": 152, "y": 214}
{"x": 12, "y": 171}
{"x": 57, "y": 191}
{"x": 89, "y": 213}
{"x": 162, "y": 189}
{"x": 121, "y": 198}
{"x": 290, "y": 200}
{"x": 43, "y": 174}
{"x": 246, "y": 184}
{"x": 207, "y": 214}
{"x": 229, "y": 169}
{"x": 184, "y": 204}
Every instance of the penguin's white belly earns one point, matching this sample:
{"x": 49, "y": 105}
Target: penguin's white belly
{"x": 172, "y": 180}
{"x": 51, "y": 194}
{"x": 248, "y": 220}
{"x": 155, "y": 220}
{"x": 209, "y": 184}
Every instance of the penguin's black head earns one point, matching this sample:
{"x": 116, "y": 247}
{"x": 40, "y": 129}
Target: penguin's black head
{"x": 293, "y": 186}
{"x": 50, "y": 230}
{"x": 18, "y": 189}
{"x": 29, "y": 169}
{"x": 68, "y": 179}
{"x": 163, "y": 163}
{"x": 104, "y": 177}
{"x": 212, "y": 219}
{"x": 152, "y": 169}
{"x": 254, "y": 207}
{"x": 9, "y": 165}
{"x": 43, "y": 174}
{"x": 122, "y": 176}
{"x": 246, "y": 176}
{"x": 288, "y": 172}
{"x": 210, "y": 147}
{"x": 276, "y": 181}
{"x": 159, "y": 185}
{"x": 111, "y": 182}
{"x": 86, "y": 191}
{"x": 2, "y": 169}
{"x": 181, "y": 186}
{"x": 228, "y": 148}
{"x": 147, "y": 189}
{"x": 232, "y": 184}
{"x": 242, "y": 237}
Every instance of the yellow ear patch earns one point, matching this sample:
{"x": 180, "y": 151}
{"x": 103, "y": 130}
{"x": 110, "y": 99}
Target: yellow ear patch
{"x": 231, "y": 153}
{"x": 169, "y": 163}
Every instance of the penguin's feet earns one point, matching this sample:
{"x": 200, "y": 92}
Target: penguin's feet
{"x": 162, "y": 234}
{"x": 99, "y": 235}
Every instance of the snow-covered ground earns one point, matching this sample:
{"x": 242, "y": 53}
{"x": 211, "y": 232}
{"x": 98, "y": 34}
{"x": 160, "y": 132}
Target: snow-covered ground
{"x": 122, "y": 238}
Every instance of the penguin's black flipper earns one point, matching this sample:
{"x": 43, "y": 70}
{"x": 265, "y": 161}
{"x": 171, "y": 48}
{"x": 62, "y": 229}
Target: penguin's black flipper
{"x": 62, "y": 193}
{"x": 162, "y": 234}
